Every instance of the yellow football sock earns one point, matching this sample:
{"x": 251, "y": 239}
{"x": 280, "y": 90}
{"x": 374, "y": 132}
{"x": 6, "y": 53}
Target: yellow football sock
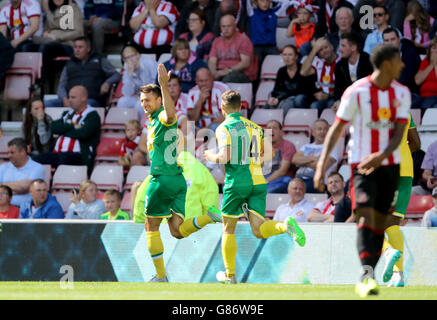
{"x": 194, "y": 224}
{"x": 229, "y": 252}
{"x": 156, "y": 249}
{"x": 272, "y": 228}
{"x": 396, "y": 240}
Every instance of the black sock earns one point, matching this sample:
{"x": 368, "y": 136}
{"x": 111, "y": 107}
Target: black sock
{"x": 366, "y": 250}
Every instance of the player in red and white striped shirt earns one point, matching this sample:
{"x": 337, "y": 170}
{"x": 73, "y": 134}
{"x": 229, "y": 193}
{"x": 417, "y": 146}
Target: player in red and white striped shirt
{"x": 378, "y": 107}
{"x": 204, "y": 100}
{"x": 154, "y": 22}
{"x": 23, "y": 20}
{"x": 181, "y": 102}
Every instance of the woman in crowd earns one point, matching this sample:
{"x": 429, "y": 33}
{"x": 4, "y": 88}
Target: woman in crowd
{"x": 184, "y": 64}
{"x": 417, "y": 25}
{"x": 198, "y": 36}
{"x": 85, "y": 205}
{"x": 36, "y": 128}
{"x": 426, "y": 79}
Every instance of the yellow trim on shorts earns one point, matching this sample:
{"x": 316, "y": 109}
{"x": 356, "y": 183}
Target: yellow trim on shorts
{"x": 257, "y": 214}
{"x": 233, "y": 216}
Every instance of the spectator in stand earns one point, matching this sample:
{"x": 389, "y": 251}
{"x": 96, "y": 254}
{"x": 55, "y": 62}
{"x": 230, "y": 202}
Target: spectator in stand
{"x": 85, "y": 205}
{"x": 89, "y": 69}
{"x": 56, "y": 39}
{"x": 153, "y": 23}
{"x": 36, "y": 128}
{"x": 20, "y": 21}
{"x": 344, "y": 19}
{"x": 396, "y": 10}
{"x": 417, "y": 25}
{"x": 7, "y": 210}
{"x": 324, "y": 210}
{"x": 184, "y": 64}
{"x": 42, "y": 205}
{"x": 380, "y": 19}
{"x": 78, "y": 132}
{"x": 430, "y": 217}
{"x": 426, "y": 79}
{"x": 279, "y": 171}
{"x": 180, "y": 100}
{"x": 263, "y": 18}
{"x": 198, "y": 36}
{"x": 19, "y": 172}
{"x": 321, "y": 62}
{"x": 306, "y": 158}
{"x": 208, "y": 9}
{"x": 112, "y": 200}
{"x": 410, "y": 57}
{"x": 204, "y": 100}
{"x": 291, "y": 89}
{"x": 301, "y": 27}
{"x": 231, "y": 57}
{"x": 298, "y": 207}
{"x": 138, "y": 70}
{"x": 429, "y": 175}
{"x": 326, "y": 16}
{"x": 7, "y": 57}
{"x": 102, "y": 17}
{"x": 235, "y": 8}
{"x": 353, "y": 65}
{"x": 130, "y": 146}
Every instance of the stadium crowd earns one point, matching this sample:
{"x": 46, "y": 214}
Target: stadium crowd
{"x": 320, "y": 48}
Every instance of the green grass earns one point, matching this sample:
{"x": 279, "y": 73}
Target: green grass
{"x": 205, "y": 291}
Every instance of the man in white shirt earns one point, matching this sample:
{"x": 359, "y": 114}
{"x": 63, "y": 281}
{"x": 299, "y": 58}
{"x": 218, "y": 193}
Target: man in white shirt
{"x": 298, "y": 207}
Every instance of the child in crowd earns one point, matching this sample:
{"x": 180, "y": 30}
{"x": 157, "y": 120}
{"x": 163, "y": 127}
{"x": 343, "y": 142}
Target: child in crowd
{"x": 7, "y": 211}
{"x": 263, "y": 22}
{"x": 112, "y": 200}
{"x": 301, "y": 28}
{"x": 130, "y": 145}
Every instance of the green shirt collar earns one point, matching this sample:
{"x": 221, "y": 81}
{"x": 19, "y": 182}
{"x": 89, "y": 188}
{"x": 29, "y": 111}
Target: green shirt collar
{"x": 156, "y": 113}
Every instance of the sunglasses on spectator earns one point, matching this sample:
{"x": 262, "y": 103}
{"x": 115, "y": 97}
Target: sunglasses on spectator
{"x": 378, "y": 15}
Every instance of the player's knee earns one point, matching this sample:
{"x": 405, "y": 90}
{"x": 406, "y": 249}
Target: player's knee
{"x": 257, "y": 233}
{"x": 176, "y": 234}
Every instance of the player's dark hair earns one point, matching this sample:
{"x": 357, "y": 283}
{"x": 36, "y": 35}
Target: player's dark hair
{"x": 231, "y": 99}
{"x": 153, "y": 88}
{"x": 381, "y": 53}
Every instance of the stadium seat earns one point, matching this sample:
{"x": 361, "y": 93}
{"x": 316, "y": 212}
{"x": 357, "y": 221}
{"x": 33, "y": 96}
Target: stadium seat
{"x": 149, "y": 56}
{"x": 282, "y": 40}
{"x": 418, "y": 205}
{"x": 115, "y": 60}
{"x": 68, "y": 177}
{"x": 4, "y": 140}
{"x": 417, "y": 116}
{"x": 101, "y": 112}
{"x": 263, "y": 92}
{"x": 56, "y": 113}
{"x": 345, "y": 171}
{"x": 136, "y": 173}
{"x": 315, "y": 197}
{"x": 63, "y": 199}
{"x": 270, "y": 66}
{"x": 298, "y": 139}
{"x": 164, "y": 57}
{"x": 329, "y": 115}
{"x": 262, "y": 116}
{"x": 48, "y": 175}
{"x": 116, "y": 118}
{"x": 108, "y": 176}
{"x": 24, "y": 72}
{"x": 108, "y": 150}
{"x": 126, "y": 203}
{"x": 273, "y": 201}
{"x": 245, "y": 90}
{"x": 429, "y": 120}
{"x": 300, "y": 120}
{"x": 426, "y": 139}
{"x": 115, "y": 94}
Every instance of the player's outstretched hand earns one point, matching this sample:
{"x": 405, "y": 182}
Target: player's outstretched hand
{"x": 163, "y": 75}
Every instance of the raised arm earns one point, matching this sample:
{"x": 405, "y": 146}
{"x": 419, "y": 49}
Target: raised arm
{"x": 167, "y": 101}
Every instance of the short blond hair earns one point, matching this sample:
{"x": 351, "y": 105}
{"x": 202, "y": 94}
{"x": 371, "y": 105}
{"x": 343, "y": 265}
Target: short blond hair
{"x": 85, "y": 184}
{"x": 231, "y": 100}
{"x": 134, "y": 123}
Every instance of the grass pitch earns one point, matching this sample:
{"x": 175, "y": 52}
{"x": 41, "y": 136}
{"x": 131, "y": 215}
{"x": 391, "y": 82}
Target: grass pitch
{"x": 202, "y": 291}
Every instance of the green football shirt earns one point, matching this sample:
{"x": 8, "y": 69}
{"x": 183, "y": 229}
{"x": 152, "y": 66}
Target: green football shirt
{"x": 162, "y": 140}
